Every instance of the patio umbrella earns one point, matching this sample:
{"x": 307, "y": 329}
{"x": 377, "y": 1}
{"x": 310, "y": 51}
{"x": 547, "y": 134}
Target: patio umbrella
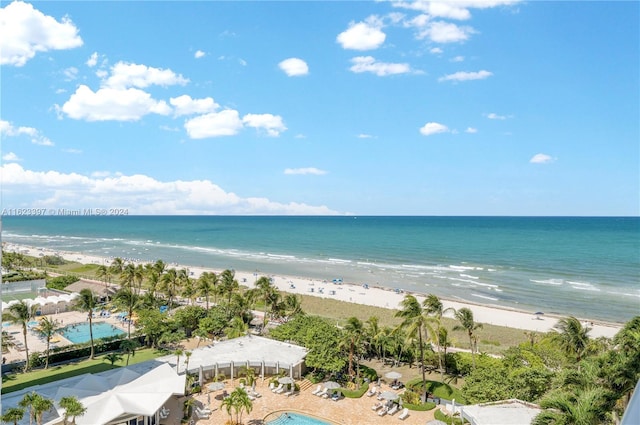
{"x": 215, "y": 386}
{"x": 393, "y": 375}
{"x": 389, "y": 395}
{"x": 285, "y": 380}
{"x": 331, "y": 385}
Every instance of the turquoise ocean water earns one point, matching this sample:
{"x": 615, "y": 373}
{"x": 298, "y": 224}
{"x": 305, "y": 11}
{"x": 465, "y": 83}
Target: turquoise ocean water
{"x": 588, "y": 267}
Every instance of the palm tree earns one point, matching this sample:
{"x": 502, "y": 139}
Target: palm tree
{"x": 238, "y": 401}
{"x": 117, "y": 267}
{"x": 352, "y": 338}
{"x": 27, "y": 402}
{"x": 292, "y": 306}
{"x": 465, "y": 317}
{"x": 104, "y": 273}
{"x": 572, "y": 336}
{"x": 41, "y": 405}
{"x": 12, "y": 414}
{"x": 48, "y": 328}
{"x": 21, "y": 314}
{"x": 128, "y": 346}
{"x": 128, "y": 276}
{"x": 187, "y": 355}
{"x": 128, "y": 300}
{"x": 236, "y": 328}
{"x": 433, "y": 307}
{"x": 414, "y": 321}
{"x": 206, "y": 285}
{"x": 583, "y": 407}
{"x": 228, "y": 285}
{"x": 72, "y": 408}
{"x": 86, "y": 302}
{"x": 263, "y": 284}
{"x": 170, "y": 283}
{"x": 178, "y": 352}
{"x": 113, "y": 358}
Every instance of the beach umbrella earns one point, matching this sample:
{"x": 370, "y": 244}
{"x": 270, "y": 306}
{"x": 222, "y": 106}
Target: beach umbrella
{"x": 393, "y": 375}
{"x": 285, "y": 380}
{"x": 389, "y": 395}
{"x": 331, "y": 385}
{"x": 215, "y": 386}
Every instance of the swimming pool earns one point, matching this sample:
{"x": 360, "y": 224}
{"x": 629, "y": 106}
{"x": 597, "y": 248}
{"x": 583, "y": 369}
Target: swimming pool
{"x": 296, "y": 419}
{"x": 79, "y": 332}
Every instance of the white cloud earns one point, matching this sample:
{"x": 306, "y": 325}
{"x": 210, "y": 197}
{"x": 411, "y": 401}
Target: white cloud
{"x": 26, "y": 31}
{"x": 435, "y": 50}
{"x": 364, "y": 136}
{"x": 242, "y": 62}
{"x": 466, "y": 76}
{"x": 471, "y": 130}
{"x": 140, "y": 194}
{"x": 381, "y": 69}
{"x": 305, "y": 171}
{"x": 109, "y": 104}
{"x": 199, "y": 54}
{"x": 73, "y": 151}
{"x": 431, "y": 128}
{"x": 494, "y": 116}
{"x": 125, "y": 75}
{"x": 70, "y": 73}
{"x": 294, "y": 67}
{"x": 93, "y": 60}
{"x": 10, "y": 157}
{"x": 541, "y": 158}
{"x": 457, "y": 59}
{"x": 272, "y": 124}
{"x": 37, "y": 138}
{"x": 362, "y": 35}
{"x": 185, "y": 105}
{"x": 458, "y": 9}
{"x": 445, "y": 32}
{"x": 214, "y": 124}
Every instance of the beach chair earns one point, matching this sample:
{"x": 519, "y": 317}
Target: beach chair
{"x": 164, "y": 411}
{"x": 322, "y": 393}
{"x": 376, "y": 406}
{"x": 384, "y": 411}
{"x": 372, "y": 391}
{"x": 317, "y": 390}
{"x": 404, "y": 414}
{"x": 278, "y": 388}
{"x": 201, "y": 415}
{"x": 393, "y": 410}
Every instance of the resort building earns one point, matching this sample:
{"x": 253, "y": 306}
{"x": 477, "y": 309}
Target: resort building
{"x": 505, "y": 412}
{"x": 230, "y": 357}
{"x": 132, "y": 395}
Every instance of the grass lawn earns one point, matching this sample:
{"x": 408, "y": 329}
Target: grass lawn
{"x": 19, "y": 381}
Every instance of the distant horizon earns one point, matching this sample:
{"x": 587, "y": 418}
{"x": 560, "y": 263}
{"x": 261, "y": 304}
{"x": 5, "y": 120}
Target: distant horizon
{"x": 504, "y": 108}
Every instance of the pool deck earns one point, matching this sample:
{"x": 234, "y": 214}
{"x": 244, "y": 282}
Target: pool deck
{"x": 37, "y": 344}
{"x": 346, "y": 411}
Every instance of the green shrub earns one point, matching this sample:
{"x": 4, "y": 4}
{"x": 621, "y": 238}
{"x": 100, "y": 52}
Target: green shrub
{"x": 357, "y": 393}
{"x": 422, "y": 407}
{"x": 368, "y": 373}
{"x": 61, "y": 282}
{"x": 441, "y": 416}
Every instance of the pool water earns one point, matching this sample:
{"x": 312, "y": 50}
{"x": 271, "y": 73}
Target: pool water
{"x": 79, "y": 332}
{"x": 296, "y": 419}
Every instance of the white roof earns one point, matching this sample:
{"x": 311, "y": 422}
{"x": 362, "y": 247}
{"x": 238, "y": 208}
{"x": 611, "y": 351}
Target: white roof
{"x": 140, "y": 389}
{"x": 250, "y": 348}
{"x": 506, "y": 412}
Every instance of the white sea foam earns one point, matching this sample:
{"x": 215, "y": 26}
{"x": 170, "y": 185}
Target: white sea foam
{"x": 549, "y": 281}
{"x": 583, "y": 286}
{"x": 484, "y": 297}
{"x": 468, "y": 276}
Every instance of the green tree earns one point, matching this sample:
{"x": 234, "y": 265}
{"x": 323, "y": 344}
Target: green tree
{"x": 206, "y": 285}
{"x": 352, "y": 340}
{"x": 178, "y": 352}
{"x": 72, "y": 408}
{"x": 21, "y": 314}
{"x": 13, "y": 415}
{"x": 112, "y": 358}
{"x": 414, "y": 322}
{"x": 572, "y": 337}
{"x": 48, "y": 328}
{"x": 86, "y": 302}
{"x": 129, "y": 301}
{"x": 128, "y": 347}
{"x": 188, "y": 318}
{"x": 238, "y": 402}
{"x": 265, "y": 289}
{"x": 27, "y": 402}
{"x": 228, "y": 286}
{"x": 433, "y": 307}
{"x": 586, "y": 407}
{"x": 41, "y": 405}
{"x": 104, "y": 274}
{"x": 236, "y": 328}
{"x": 465, "y": 317}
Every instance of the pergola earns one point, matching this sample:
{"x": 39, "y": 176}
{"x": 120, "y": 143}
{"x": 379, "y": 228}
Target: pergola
{"x": 266, "y": 356}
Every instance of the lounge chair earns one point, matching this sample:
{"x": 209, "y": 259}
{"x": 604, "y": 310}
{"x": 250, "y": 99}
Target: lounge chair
{"x": 393, "y": 409}
{"x": 317, "y": 390}
{"x": 376, "y": 406}
{"x": 202, "y": 415}
{"x": 404, "y": 414}
{"x": 164, "y": 411}
{"x": 322, "y": 393}
{"x": 384, "y": 411}
{"x": 272, "y": 386}
{"x": 275, "y": 390}
{"x": 204, "y": 410}
{"x": 372, "y": 391}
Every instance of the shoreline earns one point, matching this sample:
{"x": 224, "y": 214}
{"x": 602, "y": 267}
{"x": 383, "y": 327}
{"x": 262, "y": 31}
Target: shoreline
{"x": 360, "y": 294}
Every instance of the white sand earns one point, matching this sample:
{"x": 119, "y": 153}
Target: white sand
{"x": 372, "y": 296}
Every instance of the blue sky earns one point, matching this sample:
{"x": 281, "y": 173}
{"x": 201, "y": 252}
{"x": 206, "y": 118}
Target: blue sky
{"x": 492, "y": 107}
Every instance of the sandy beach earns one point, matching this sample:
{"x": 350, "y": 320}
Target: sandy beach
{"x": 363, "y": 294}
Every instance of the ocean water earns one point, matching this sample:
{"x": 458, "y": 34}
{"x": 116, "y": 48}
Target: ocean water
{"x": 587, "y": 267}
